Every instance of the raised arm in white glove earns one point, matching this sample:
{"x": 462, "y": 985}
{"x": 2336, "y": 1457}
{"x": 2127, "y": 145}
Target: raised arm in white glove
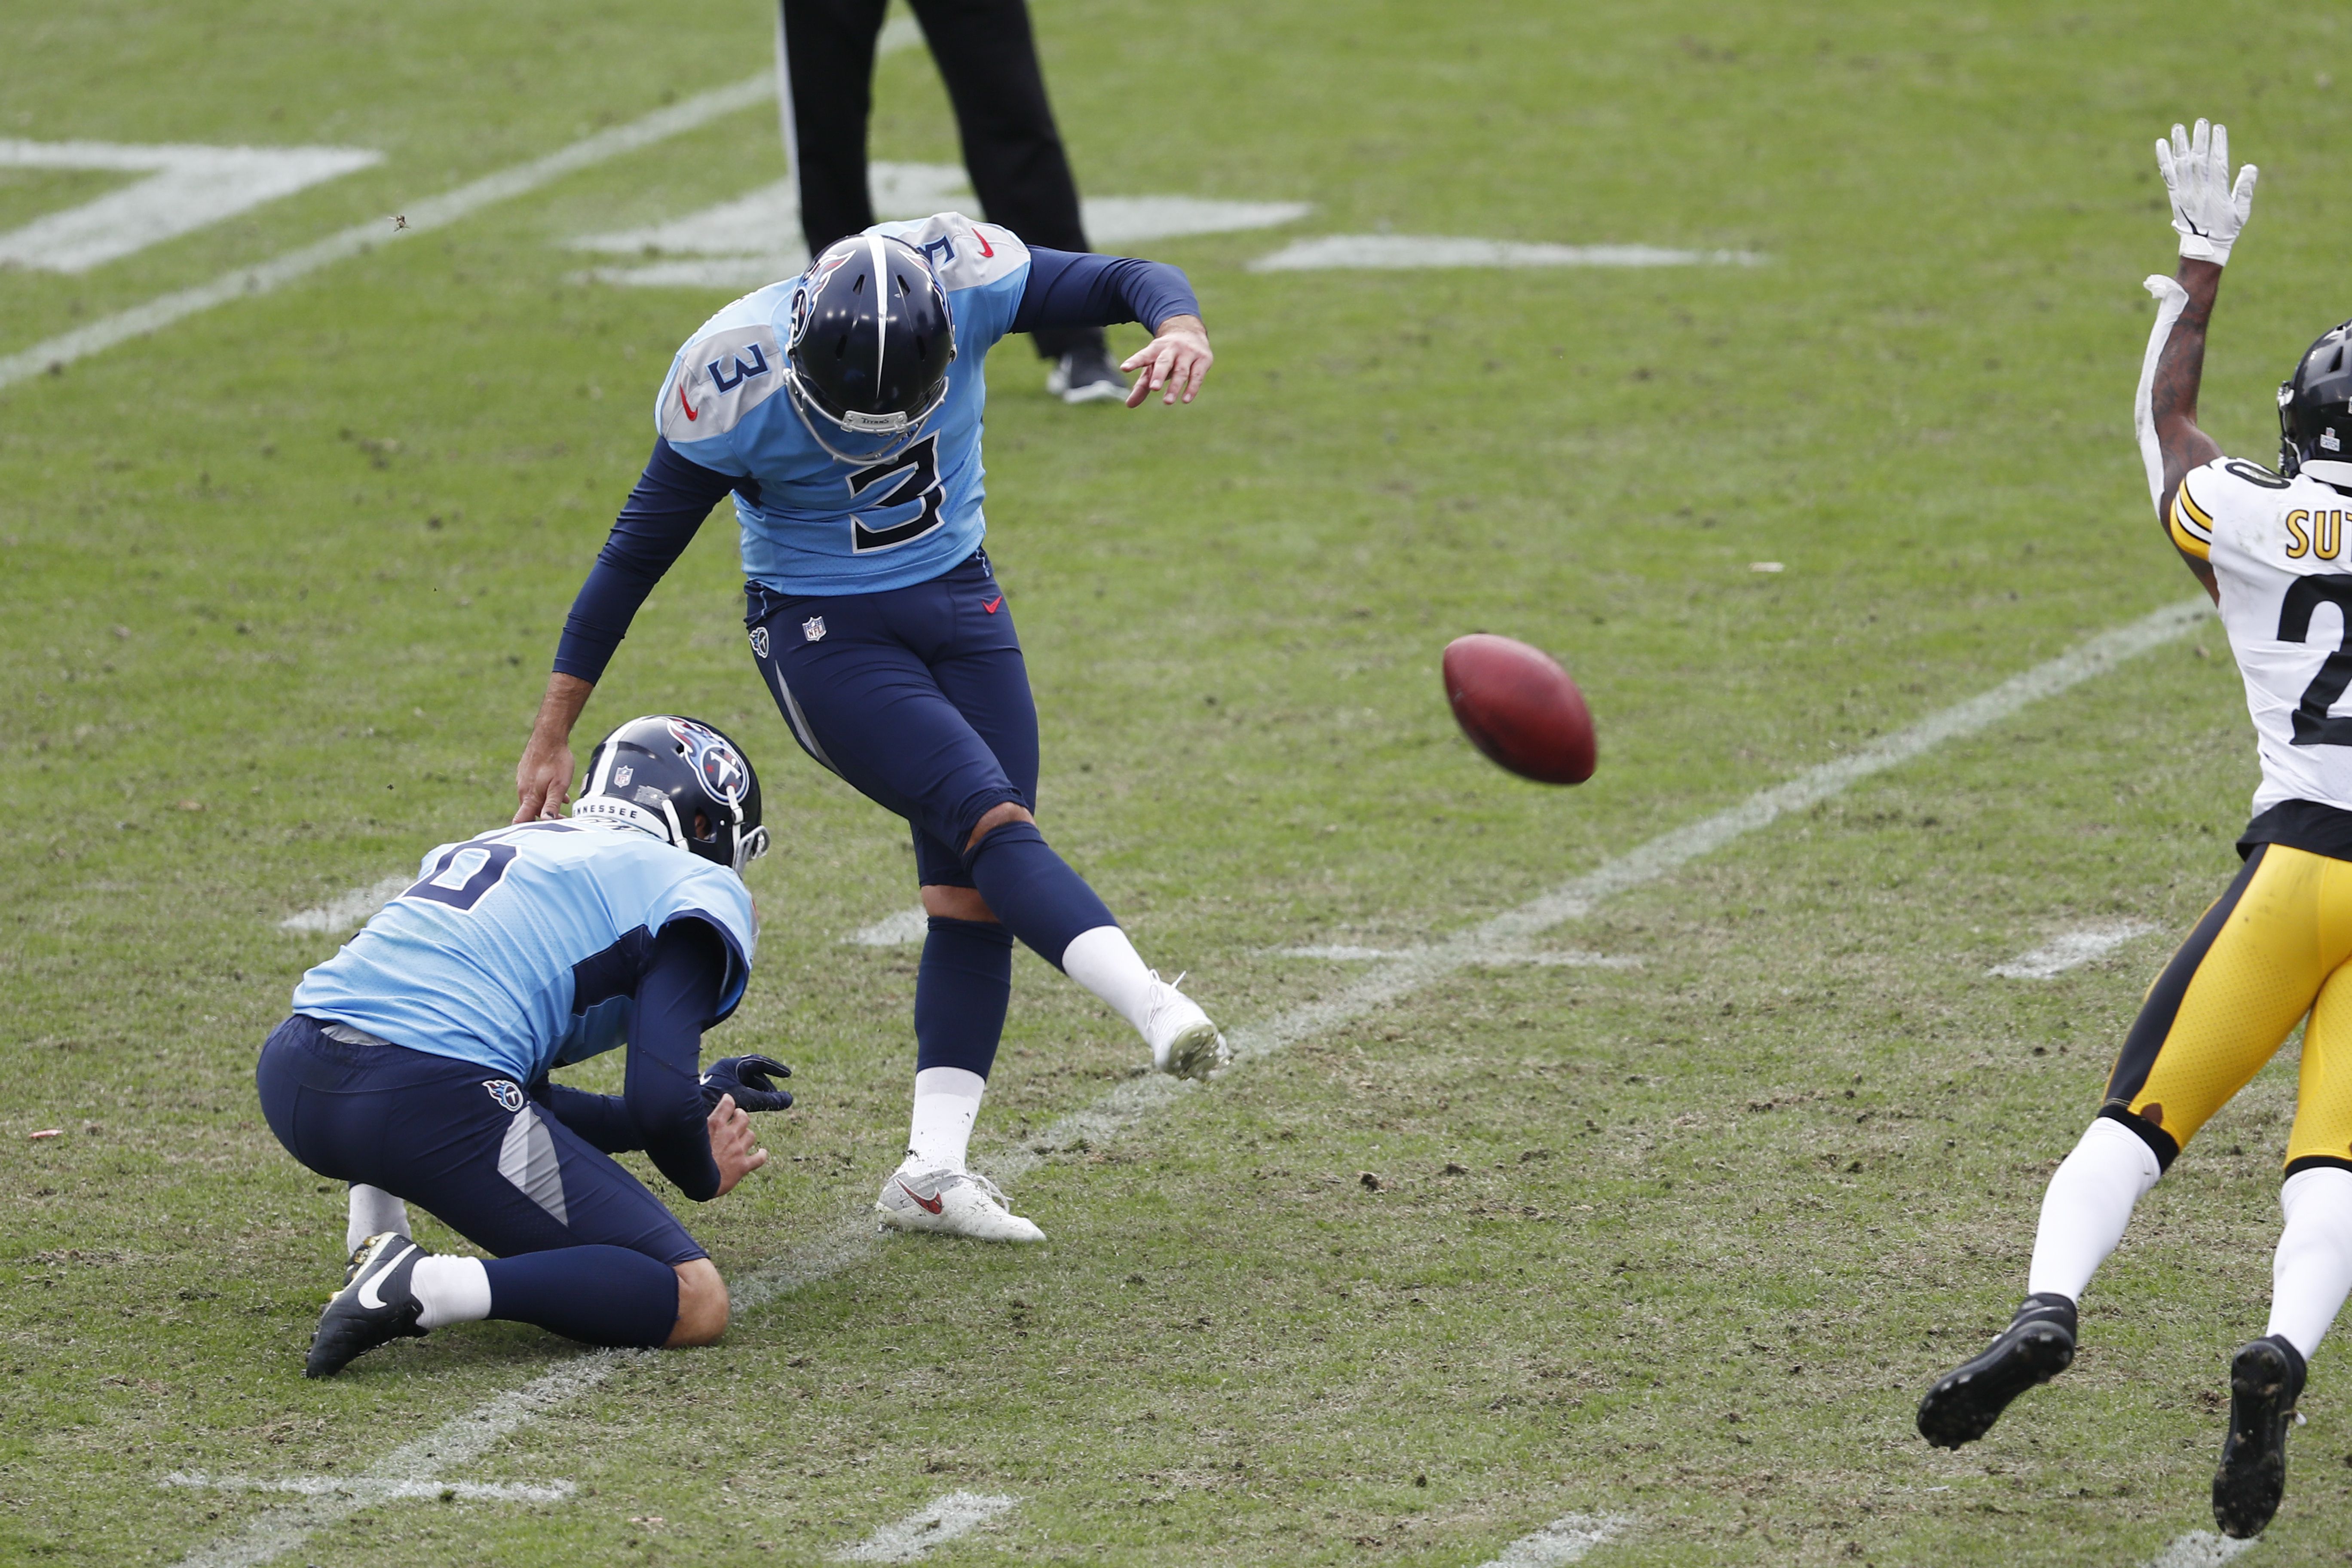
{"x": 2206, "y": 208}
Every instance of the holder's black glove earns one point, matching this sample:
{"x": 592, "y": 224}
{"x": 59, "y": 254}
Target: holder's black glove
{"x": 749, "y": 1079}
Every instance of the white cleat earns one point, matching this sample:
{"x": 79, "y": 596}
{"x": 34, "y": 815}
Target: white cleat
{"x": 1184, "y": 1043}
{"x": 952, "y": 1203}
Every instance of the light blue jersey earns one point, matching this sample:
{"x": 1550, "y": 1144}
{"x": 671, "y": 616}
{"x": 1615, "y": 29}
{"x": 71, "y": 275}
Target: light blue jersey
{"x": 822, "y": 525}
{"x": 521, "y": 949}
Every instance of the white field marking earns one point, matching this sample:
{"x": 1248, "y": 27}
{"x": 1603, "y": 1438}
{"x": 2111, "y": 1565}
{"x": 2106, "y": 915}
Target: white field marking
{"x": 1561, "y": 958}
{"x": 958, "y": 1513}
{"x": 1413, "y": 250}
{"x": 1564, "y": 1540}
{"x": 187, "y": 188}
{"x": 350, "y": 912}
{"x": 850, "y": 1238}
{"x": 901, "y": 930}
{"x": 371, "y": 1490}
{"x": 455, "y": 1441}
{"x": 755, "y": 238}
{"x": 435, "y": 211}
{"x": 2199, "y": 1548}
{"x": 2070, "y": 949}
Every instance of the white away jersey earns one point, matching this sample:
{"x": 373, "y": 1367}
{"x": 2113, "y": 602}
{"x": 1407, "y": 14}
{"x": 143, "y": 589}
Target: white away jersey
{"x": 521, "y": 949}
{"x": 2279, "y": 553}
{"x": 821, "y": 525}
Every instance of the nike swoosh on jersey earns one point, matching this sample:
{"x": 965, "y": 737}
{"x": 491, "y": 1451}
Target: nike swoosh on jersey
{"x": 682, "y": 403}
{"x": 985, "y": 249}
{"x": 930, "y": 1205}
{"x": 368, "y": 1297}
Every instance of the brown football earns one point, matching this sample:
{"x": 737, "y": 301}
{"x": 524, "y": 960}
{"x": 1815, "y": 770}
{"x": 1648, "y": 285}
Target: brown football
{"x": 1518, "y": 705}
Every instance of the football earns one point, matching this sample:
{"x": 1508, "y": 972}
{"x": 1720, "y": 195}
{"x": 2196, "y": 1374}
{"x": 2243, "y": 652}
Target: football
{"x": 1519, "y": 707}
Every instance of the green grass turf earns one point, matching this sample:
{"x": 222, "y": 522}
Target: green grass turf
{"x": 278, "y": 587}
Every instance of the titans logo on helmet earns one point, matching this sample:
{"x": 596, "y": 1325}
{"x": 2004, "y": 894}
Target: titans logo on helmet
{"x": 723, "y": 772}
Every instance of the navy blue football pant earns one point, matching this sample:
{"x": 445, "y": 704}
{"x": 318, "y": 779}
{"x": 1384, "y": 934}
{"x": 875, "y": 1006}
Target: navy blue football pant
{"x": 466, "y": 1143}
{"x": 918, "y": 698}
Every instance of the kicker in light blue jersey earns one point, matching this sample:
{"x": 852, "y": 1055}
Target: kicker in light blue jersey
{"x": 822, "y": 524}
{"x": 521, "y": 949}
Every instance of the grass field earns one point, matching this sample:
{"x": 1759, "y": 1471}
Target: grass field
{"x": 1672, "y": 1245}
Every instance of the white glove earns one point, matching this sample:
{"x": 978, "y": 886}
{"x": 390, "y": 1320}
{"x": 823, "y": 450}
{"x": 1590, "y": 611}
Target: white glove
{"x": 2206, "y": 208}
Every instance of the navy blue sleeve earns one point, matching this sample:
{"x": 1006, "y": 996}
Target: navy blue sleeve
{"x": 671, "y": 499}
{"x": 1079, "y": 288}
{"x": 602, "y": 1119}
{"x": 677, "y": 999}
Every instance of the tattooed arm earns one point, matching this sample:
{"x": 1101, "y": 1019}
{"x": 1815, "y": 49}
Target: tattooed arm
{"x": 2173, "y": 399}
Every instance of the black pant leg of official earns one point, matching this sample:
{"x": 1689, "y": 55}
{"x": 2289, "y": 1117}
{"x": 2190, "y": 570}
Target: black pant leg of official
{"x": 988, "y": 57}
{"x": 827, "y": 71}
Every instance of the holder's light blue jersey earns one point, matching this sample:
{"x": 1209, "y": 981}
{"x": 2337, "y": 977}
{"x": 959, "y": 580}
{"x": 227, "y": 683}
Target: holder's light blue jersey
{"x": 819, "y": 524}
{"x": 521, "y": 949}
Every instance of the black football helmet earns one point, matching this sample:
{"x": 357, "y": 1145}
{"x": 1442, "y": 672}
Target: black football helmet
{"x": 2314, "y": 407}
{"x": 681, "y": 780}
{"x": 872, "y": 339}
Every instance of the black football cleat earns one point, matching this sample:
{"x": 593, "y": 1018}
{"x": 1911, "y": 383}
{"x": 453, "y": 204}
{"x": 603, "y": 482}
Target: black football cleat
{"x": 2265, "y": 1380}
{"x": 2038, "y": 1344}
{"x": 375, "y": 1307}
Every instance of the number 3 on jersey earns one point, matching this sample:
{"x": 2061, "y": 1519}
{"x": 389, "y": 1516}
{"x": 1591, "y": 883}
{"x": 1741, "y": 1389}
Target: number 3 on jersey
{"x": 2314, "y": 725}
{"x": 919, "y": 463}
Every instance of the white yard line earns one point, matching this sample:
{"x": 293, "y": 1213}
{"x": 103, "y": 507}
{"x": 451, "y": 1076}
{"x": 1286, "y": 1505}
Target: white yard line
{"x": 848, "y": 1239}
{"x": 901, "y": 930}
{"x": 958, "y": 1513}
{"x": 1557, "y": 958}
{"x": 2200, "y": 1549}
{"x": 373, "y": 1490}
{"x": 1564, "y": 1540}
{"x": 435, "y": 211}
{"x": 1386, "y": 252}
{"x": 187, "y": 188}
{"x": 2070, "y": 950}
{"x": 349, "y": 913}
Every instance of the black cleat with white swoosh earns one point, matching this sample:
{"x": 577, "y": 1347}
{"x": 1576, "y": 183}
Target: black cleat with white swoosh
{"x": 375, "y": 1307}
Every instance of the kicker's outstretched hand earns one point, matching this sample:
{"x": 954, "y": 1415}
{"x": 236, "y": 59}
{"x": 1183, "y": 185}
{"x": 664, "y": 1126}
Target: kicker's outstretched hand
{"x": 1176, "y": 360}
{"x": 2207, "y": 209}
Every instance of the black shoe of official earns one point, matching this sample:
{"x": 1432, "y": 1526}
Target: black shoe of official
{"x": 2265, "y": 1380}
{"x": 2038, "y": 1344}
{"x": 375, "y": 1307}
{"x": 1085, "y": 375}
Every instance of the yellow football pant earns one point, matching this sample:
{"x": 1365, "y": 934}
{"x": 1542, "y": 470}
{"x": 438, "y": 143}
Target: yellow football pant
{"x": 2270, "y": 949}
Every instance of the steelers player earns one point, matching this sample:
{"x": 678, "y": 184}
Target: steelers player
{"x": 2271, "y": 548}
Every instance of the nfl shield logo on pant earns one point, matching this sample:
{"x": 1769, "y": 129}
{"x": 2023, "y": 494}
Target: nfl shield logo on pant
{"x": 813, "y": 629}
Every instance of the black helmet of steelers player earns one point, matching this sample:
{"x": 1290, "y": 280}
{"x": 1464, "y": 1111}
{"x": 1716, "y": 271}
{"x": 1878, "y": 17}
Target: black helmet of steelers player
{"x": 872, "y": 339}
{"x": 683, "y": 781}
{"x": 2314, "y": 408}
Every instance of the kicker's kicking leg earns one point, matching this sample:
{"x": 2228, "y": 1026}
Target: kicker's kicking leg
{"x": 1047, "y": 905}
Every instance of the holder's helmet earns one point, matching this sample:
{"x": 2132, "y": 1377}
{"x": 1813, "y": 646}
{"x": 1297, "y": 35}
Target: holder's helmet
{"x": 872, "y": 338}
{"x": 683, "y": 781}
{"x": 2314, "y": 408}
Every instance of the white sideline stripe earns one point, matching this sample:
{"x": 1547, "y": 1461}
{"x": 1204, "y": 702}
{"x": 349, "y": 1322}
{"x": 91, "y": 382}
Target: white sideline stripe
{"x": 1389, "y": 251}
{"x": 1559, "y": 958}
{"x": 2200, "y": 1549}
{"x": 366, "y": 1491}
{"x": 350, "y": 912}
{"x": 905, "y": 926}
{"x": 187, "y": 188}
{"x": 1564, "y": 1540}
{"x": 2070, "y": 950}
{"x": 433, "y": 212}
{"x": 848, "y": 1239}
{"x": 958, "y": 1513}
{"x": 455, "y": 1441}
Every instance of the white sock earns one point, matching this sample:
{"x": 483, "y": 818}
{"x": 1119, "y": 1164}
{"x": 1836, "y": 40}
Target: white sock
{"x": 1106, "y": 963}
{"x": 453, "y": 1290}
{"x": 373, "y": 1212}
{"x": 2089, "y": 1201}
{"x": 2313, "y": 1270}
{"x": 947, "y": 1102}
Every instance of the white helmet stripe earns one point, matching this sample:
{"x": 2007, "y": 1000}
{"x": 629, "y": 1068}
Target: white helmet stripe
{"x": 881, "y": 310}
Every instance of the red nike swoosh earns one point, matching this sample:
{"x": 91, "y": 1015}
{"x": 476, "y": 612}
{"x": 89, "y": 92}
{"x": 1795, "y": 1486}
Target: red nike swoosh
{"x": 991, "y": 605}
{"x": 985, "y": 249}
{"x": 932, "y": 1205}
{"x": 682, "y": 403}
